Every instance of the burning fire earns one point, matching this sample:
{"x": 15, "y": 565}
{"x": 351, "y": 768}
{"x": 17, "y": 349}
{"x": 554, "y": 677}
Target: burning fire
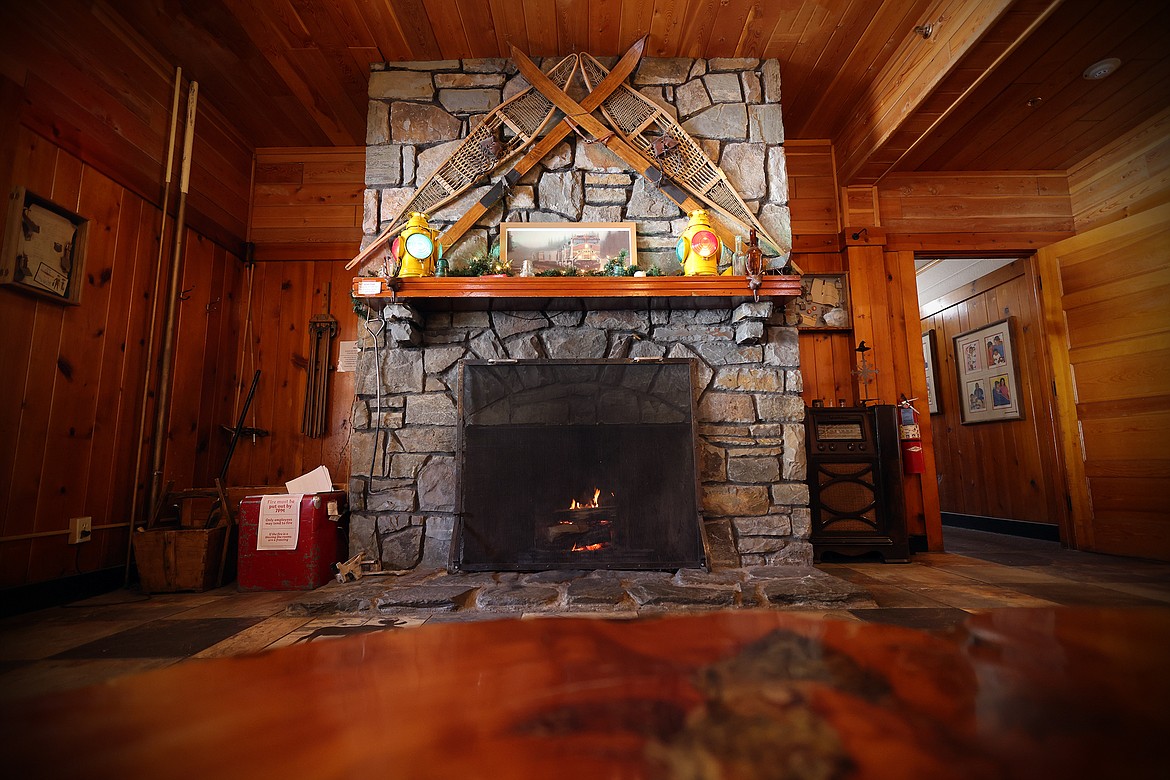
{"x": 588, "y": 547}
{"x": 591, "y": 505}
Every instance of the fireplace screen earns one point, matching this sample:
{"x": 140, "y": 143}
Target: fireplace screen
{"x": 576, "y": 465}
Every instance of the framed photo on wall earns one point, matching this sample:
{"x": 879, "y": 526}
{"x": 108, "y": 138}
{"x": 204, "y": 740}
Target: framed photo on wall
{"x": 988, "y": 375}
{"x": 44, "y": 248}
{"x": 823, "y": 303}
{"x": 928, "y": 353}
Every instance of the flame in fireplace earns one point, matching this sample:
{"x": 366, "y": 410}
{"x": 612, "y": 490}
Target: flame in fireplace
{"x": 591, "y": 505}
{"x": 589, "y": 547}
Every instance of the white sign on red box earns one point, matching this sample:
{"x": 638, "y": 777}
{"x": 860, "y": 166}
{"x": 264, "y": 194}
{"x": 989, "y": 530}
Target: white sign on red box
{"x": 280, "y": 522}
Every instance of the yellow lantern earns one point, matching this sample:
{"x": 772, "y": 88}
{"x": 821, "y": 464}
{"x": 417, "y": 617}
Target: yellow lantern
{"x": 417, "y": 247}
{"x": 698, "y": 247}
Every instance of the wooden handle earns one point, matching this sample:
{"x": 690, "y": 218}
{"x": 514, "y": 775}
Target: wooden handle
{"x": 189, "y": 138}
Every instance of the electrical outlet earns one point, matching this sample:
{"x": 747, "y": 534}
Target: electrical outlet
{"x": 80, "y": 529}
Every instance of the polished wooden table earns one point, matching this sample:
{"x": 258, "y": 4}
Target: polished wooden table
{"x": 1028, "y": 693}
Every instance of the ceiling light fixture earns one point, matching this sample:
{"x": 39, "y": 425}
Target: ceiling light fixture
{"x": 1099, "y": 70}
{"x": 924, "y": 30}
{"x": 1033, "y": 102}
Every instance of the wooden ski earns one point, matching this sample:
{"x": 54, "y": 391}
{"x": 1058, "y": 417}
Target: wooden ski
{"x": 503, "y": 133}
{"x": 621, "y": 71}
{"x": 659, "y": 137}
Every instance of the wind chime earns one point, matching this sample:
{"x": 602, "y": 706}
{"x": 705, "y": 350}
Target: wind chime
{"x": 322, "y": 329}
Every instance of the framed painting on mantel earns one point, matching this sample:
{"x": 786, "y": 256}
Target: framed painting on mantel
{"x": 823, "y": 303}
{"x": 44, "y": 248}
{"x": 986, "y": 363}
{"x": 560, "y": 246}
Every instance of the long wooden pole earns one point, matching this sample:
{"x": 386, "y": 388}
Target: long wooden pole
{"x": 137, "y": 500}
{"x": 166, "y": 366}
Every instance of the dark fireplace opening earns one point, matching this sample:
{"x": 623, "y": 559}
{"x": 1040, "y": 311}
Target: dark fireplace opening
{"x": 576, "y": 465}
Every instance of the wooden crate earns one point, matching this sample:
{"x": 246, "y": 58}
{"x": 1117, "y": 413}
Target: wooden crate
{"x": 177, "y": 559}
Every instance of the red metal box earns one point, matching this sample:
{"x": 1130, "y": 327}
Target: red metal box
{"x": 319, "y": 545}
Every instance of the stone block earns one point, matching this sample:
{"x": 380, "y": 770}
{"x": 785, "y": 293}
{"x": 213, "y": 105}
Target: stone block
{"x": 592, "y": 213}
{"x": 735, "y": 500}
{"x": 723, "y": 121}
{"x": 657, "y": 593}
{"x": 560, "y": 157}
{"x": 487, "y": 346}
{"x": 509, "y": 324}
{"x": 778, "y": 221}
{"x": 377, "y": 123}
{"x": 640, "y": 348}
{"x": 618, "y": 320}
{"x": 794, "y": 467}
{"x": 647, "y": 201}
{"x": 431, "y": 597}
{"x": 595, "y": 592}
{"x": 691, "y": 97}
{"x": 662, "y": 70}
{"x": 767, "y": 525}
{"x": 605, "y": 195}
{"x": 696, "y": 334}
{"x": 436, "y": 439}
{"x": 777, "y": 175}
{"x": 581, "y": 343}
{"x": 515, "y": 597}
{"x": 489, "y": 65}
{"x": 400, "y": 499}
{"x": 469, "y": 101}
{"x": 750, "y": 379}
{"x": 468, "y": 80}
{"x": 727, "y": 407}
{"x": 417, "y": 124}
{"x": 760, "y": 310}
{"x": 749, "y": 333}
{"x": 393, "y": 200}
{"x": 437, "y": 485}
{"x": 760, "y": 544}
{"x": 753, "y": 90}
{"x": 770, "y": 74}
{"x": 401, "y": 85}
{"x": 439, "y": 358}
{"x": 794, "y": 381}
{"x": 801, "y": 522}
{"x": 790, "y": 494}
{"x": 405, "y": 465}
{"x": 782, "y": 347}
{"x": 366, "y": 447}
{"x": 430, "y": 159}
{"x": 755, "y": 470}
{"x": 766, "y": 125}
{"x": 744, "y": 165}
{"x": 608, "y": 180}
{"x": 562, "y": 192}
{"x": 780, "y": 407}
{"x": 383, "y": 166}
{"x": 402, "y": 371}
{"x": 523, "y": 196}
{"x": 524, "y": 348}
{"x": 404, "y": 334}
{"x": 723, "y": 87}
{"x": 728, "y": 353}
{"x": 357, "y": 494}
{"x": 430, "y": 409}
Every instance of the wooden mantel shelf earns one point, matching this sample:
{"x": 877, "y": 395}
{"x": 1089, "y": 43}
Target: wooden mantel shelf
{"x": 462, "y": 292}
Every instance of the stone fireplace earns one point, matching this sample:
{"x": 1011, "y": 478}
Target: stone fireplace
{"x": 748, "y": 426}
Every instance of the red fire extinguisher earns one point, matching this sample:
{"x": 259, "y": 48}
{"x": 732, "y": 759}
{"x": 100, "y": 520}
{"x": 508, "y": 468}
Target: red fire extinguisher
{"x": 910, "y": 437}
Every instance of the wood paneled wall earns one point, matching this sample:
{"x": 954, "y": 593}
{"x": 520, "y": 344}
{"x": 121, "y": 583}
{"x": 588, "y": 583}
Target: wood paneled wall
{"x": 283, "y": 296}
{"x": 103, "y": 93}
{"x": 1107, "y": 301}
{"x": 307, "y": 203}
{"x": 1128, "y": 177}
{"x": 73, "y": 387}
{"x": 974, "y": 211}
{"x": 1007, "y": 469}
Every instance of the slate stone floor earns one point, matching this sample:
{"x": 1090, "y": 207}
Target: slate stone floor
{"x": 126, "y": 631}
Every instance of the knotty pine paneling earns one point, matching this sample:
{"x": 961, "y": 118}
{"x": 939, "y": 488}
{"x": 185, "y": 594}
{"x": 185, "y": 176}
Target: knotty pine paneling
{"x": 75, "y": 374}
{"x": 1010, "y": 202}
{"x": 884, "y": 299}
{"x": 307, "y": 203}
{"x": 1009, "y": 469}
{"x": 813, "y": 198}
{"x": 281, "y": 297}
{"x": 1131, "y": 175}
{"x": 103, "y": 93}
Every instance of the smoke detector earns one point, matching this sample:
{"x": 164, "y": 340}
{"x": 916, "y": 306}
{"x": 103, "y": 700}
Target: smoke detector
{"x": 1099, "y": 70}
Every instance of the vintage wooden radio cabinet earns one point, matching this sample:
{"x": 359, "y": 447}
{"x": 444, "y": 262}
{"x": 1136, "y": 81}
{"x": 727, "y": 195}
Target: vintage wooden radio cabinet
{"x": 855, "y": 482}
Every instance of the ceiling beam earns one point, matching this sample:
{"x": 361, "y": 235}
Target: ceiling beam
{"x": 890, "y": 105}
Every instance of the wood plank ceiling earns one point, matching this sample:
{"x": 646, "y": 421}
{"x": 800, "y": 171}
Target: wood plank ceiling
{"x": 996, "y": 86}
